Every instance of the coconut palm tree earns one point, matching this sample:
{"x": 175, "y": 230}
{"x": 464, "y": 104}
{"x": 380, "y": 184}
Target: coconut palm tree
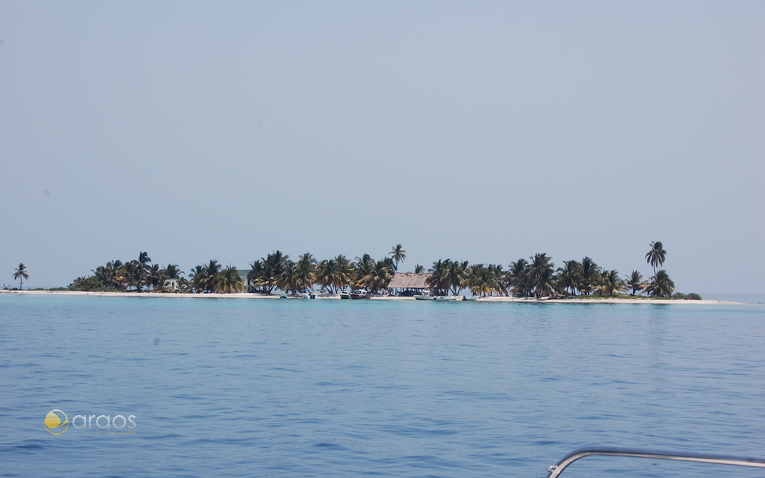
{"x": 518, "y": 278}
{"x": 419, "y": 269}
{"x": 398, "y": 254}
{"x": 133, "y": 275}
{"x": 494, "y": 279}
{"x": 111, "y": 275}
{"x": 20, "y": 274}
{"x": 172, "y": 271}
{"x": 363, "y": 267}
{"x": 266, "y": 274}
{"x": 305, "y": 273}
{"x": 379, "y": 276}
{"x": 229, "y": 281}
{"x": 590, "y": 277}
{"x": 656, "y": 256}
{"x": 569, "y": 276}
{"x": 542, "y": 274}
{"x": 198, "y": 276}
{"x": 456, "y": 276}
{"x": 437, "y": 280}
{"x": 483, "y": 280}
{"x": 144, "y": 270}
{"x": 326, "y": 275}
{"x": 287, "y": 280}
{"x": 661, "y": 285}
{"x": 611, "y": 284}
{"x": 635, "y": 282}
{"x": 155, "y": 277}
{"x": 212, "y": 270}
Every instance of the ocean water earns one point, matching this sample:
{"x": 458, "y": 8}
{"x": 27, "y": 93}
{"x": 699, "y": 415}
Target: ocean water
{"x": 290, "y": 388}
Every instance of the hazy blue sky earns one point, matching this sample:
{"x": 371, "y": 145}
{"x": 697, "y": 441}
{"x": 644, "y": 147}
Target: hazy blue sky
{"x": 480, "y": 131}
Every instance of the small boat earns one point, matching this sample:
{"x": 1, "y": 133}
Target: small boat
{"x": 424, "y": 297}
{"x": 360, "y": 294}
{"x": 345, "y": 295}
{"x": 472, "y": 298}
{"x": 447, "y": 297}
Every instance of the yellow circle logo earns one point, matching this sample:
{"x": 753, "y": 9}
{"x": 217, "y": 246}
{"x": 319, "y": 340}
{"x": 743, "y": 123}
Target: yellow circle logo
{"x": 56, "y": 422}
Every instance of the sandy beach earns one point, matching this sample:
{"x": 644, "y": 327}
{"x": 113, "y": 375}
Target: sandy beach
{"x": 243, "y": 295}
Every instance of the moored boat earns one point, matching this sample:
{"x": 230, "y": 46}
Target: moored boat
{"x": 360, "y": 294}
{"x": 424, "y": 297}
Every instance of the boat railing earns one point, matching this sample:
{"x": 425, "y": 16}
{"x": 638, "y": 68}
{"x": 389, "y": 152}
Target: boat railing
{"x": 558, "y": 468}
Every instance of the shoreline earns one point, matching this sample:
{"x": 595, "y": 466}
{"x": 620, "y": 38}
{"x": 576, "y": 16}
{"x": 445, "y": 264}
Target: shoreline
{"x": 327, "y": 296}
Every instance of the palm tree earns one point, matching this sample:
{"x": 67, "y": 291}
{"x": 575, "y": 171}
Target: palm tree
{"x": 363, "y": 266}
{"x": 20, "y": 274}
{"x": 590, "y": 276}
{"x": 483, "y": 280}
{"x": 212, "y": 270}
{"x": 398, "y": 254}
{"x": 635, "y": 282}
{"x": 229, "y": 281}
{"x": 661, "y": 285}
{"x": 133, "y": 275}
{"x": 305, "y": 273}
{"x": 266, "y": 273}
{"x": 611, "y": 284}
{"x": 437, "y": 280}
{"x": 456, "y": 276}
{"x": 198, "y": 277}
{"x": 287, "y": 279}
{"x": 542, "y": 275}
{"x": 518, "y": 278}
{"x": 156, "y": 277}
{"x": 494, "y": 279}
{"x": 569, "y": 276}
{"x": 419, "y": 269}
{"x": 144, "y": 260}
{"x": 112, "y": 275}
{"x": 379, "y": 276}
{"x": 656, "y": 256}
{"x": 172, "y": 271}
{"x": 326, "y": 275}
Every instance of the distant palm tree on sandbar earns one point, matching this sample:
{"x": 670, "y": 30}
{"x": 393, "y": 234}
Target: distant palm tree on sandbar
{"x": 21, "y": 274}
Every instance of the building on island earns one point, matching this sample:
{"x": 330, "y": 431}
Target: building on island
{"x": 408, "y": 284}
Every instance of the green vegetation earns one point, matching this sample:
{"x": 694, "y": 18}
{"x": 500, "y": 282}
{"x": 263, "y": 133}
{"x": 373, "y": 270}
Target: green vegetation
{"x": 535, "y": 277}
{"x": 20, "y": 274}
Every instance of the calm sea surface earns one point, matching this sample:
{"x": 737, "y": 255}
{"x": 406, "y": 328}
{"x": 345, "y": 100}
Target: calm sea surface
{"x": 322, "y": 388}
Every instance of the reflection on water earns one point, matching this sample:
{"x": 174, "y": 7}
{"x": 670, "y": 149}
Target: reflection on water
{"x": 346, "y": 388}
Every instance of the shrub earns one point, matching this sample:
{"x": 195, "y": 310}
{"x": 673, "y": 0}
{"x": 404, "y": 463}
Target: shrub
{"x": 678, "y": 295}
{"x": 693, "y": 296}
{"x": 90, "y": 284}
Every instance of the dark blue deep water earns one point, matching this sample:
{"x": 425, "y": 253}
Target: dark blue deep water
{"x": 322, "y": 388}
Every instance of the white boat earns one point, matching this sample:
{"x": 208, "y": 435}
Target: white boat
{"x": 472, "y": 298}
{"x": 360, "y": 294}
{"x": 424, "y": 297}
{"x": 447, "y": 297}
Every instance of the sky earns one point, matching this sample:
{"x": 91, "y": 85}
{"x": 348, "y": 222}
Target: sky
{"x": 478, "y": 131}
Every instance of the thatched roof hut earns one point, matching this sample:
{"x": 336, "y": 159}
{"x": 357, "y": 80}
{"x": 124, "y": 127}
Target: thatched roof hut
{"x": 408, "y": 280}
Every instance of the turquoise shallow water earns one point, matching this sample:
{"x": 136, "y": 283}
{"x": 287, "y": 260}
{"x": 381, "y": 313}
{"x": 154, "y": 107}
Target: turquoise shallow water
{"x": 375, "y": 388}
